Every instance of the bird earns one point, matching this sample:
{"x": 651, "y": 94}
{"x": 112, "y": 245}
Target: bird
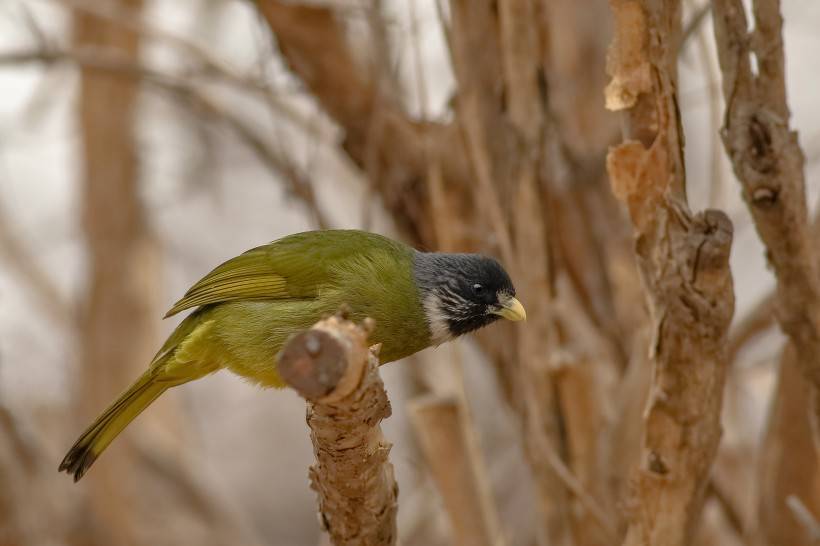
{"x": 245, "y": 310}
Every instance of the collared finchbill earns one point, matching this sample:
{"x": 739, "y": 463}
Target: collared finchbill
{"x": 511, "y": 309}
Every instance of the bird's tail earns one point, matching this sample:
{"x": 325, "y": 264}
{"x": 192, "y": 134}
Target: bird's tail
{"x": 99, "y": 435}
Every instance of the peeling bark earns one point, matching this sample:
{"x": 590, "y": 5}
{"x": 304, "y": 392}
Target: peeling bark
{"x": 684, "y": 264}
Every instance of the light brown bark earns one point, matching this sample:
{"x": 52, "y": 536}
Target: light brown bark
{"x": 330, "y": 366}
{"x": 683, "y": 260}
{"x": 768, "y": 162}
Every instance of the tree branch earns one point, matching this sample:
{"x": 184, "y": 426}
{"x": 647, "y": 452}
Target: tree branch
{"x": 768, "y": 162}
{"x": 439, "y": 422}
{"x": 331, "y": 367}
{"x": 684, "y": 264}
{"x": 115, "y": 63}
{"x": 787, "y": 462}
{"x": 378, "y": 136}
{"x": 43, "y": 288}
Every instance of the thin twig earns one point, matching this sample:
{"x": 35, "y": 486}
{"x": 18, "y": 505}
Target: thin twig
{"x": 730, "y": 511}
{"x": 210, "y": 67}
{"x": 695, "y": 23}
{"x": 418, "y": 65}
{"x": 115, "y": 63}
{"x": 755, "y": 322}
{"x": 43, "y": 288}
{"x": 716, "y": 189}
{"x": 808, "y": 520}
{"x": 569, "y": 480}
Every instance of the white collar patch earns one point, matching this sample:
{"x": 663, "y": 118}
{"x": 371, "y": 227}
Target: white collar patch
{"x": 436, "y": 320}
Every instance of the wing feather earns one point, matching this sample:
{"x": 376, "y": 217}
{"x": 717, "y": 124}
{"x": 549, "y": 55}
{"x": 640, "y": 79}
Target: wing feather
{"x": 251, "y": 275}
{"x": 296, "y": 266}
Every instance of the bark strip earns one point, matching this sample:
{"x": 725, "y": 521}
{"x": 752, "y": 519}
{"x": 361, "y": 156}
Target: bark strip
{"x": 331, "y": 367}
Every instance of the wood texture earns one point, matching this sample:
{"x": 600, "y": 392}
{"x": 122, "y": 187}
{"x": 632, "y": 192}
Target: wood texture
{"x": 352, "y": 475}
{"x": 684, "y": 263}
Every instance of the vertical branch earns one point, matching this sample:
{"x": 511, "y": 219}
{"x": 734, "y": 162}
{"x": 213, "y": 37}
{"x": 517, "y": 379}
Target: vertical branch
{"x": 117, "y": 326}
{"x": 505, "y": 149}
{"x": 332, "y": 368}
{"x": 43, "y": 289}
{"x": 683, "y": 260}
{"x": 445, "y": 437}
{"x": 504, "y": 139}
{"x": 788, "y": 463}
{"x": 767, "y": 160}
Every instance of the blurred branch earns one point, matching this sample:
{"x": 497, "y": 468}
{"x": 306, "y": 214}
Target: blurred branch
{"x": 209, "y": 67}
{"x": 564, "y": 474}
{"x": 768, "y": 162}
{"x": 727, "y": 505}
{"x": 716, "y": 178}
{"x": 764, "y": 314}
{"x": 25, "y": 469}
{"x": 684, "y": 262}
{"x": 384, "y": 72}
{"x": 331, "y": 367}
{"x": 755, "y": 322}
{"x": 788, "y": 466}
{"x": 695, "y": 22}
{"x": 807, "y": 520}
{"x": 116, "y": 63}
{"x": 24, "y": 265}
{"x": 123, "y": 264}
{"x": 378, "y": 136}
{"x": 444, "y": 436}
{"x": 184, "y": 482}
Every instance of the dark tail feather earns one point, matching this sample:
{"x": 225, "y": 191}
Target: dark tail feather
{"x": 99, "y": 435}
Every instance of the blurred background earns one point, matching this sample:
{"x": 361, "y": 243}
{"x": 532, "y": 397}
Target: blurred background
{"x": 144, "y": 142}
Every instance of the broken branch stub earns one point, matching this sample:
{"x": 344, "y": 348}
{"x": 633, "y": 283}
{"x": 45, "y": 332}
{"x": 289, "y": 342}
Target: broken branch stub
{"x": 331, "y": 366}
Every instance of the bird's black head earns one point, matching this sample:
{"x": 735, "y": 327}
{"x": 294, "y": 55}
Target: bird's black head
{"x": 463, "y": 292}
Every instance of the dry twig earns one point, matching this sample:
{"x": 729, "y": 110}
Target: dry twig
{"x": 331, "y": 367}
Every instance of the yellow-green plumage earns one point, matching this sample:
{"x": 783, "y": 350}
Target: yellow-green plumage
{"x": 250, "y": 305}
{"x": 245, "y": 310}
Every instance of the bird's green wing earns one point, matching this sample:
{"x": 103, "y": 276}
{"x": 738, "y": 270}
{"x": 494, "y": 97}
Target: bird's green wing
{"x": 248, "y": 276}
{"x": 296, "y": 266}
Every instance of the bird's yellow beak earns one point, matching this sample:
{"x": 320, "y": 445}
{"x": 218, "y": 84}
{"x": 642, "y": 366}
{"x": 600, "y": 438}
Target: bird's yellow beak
{"x": 511, "y": 309}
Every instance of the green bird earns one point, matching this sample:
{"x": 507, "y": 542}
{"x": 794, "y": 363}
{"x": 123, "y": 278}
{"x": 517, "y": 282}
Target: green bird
{"x": 249, "y": 306}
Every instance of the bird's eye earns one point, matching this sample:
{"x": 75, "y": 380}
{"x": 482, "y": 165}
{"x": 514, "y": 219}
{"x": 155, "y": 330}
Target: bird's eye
{"x": 478, "y": 289}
